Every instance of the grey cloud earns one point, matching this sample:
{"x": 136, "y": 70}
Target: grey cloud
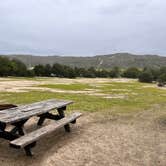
{"x": 84, "y": 27}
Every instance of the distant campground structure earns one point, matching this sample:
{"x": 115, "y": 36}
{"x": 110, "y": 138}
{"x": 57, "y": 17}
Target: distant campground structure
{"x": 122, "y": 60}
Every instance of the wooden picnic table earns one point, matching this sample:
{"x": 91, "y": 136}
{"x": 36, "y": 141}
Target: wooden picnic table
{"x": 18, "y": 116}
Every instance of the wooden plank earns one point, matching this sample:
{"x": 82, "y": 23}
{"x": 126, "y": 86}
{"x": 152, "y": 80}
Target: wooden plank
{"x": 35, "y": 135}
{"x": 6, "y": 106}
{"x": 26, "y": 111}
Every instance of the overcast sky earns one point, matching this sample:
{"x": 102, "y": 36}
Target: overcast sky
{"x": 82, "y": 27}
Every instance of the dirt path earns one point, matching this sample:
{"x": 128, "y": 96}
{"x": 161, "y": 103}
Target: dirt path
{"x": 120, "y": 140}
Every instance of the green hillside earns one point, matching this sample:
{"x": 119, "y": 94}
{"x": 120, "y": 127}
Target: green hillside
{"x": 122, "y": 60}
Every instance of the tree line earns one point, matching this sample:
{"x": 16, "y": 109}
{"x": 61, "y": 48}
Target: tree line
{"x": 14, "y": 67}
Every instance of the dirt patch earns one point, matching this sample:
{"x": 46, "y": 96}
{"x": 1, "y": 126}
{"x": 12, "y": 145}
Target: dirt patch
{"x": 16, "y": 86}
{"x": 115, "y": 97}
{"x": 123, "y": 80}
{"x": 29, "y": 85}
{"x": 97, "y": 140}
{"x": 154, "y": 86}
{"x": 121, "y": 90}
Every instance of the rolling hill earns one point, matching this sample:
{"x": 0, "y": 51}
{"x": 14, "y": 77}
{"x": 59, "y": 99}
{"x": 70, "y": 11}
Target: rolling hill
{"x": 122, "y": 60}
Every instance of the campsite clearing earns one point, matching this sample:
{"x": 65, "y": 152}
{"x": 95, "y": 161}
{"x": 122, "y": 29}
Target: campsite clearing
{"x": 124, "y": 122}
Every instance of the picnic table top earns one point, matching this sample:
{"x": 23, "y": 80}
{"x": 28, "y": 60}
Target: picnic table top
{"x": 12, "y": 115}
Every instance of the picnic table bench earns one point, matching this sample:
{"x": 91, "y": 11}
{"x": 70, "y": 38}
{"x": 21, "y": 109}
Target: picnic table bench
{"x": 18, "y": 116}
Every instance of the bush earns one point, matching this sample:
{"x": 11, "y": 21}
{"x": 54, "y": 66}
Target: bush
{"x": 146, "y": 76}
{"x": 155, "y": 73}
{"x": 39, "y": 70}
{"x": 115, "y": 72}
{"x": 162, "y": 80}
{"x": 131, "y": 72}
{"x": 12, "y": 67}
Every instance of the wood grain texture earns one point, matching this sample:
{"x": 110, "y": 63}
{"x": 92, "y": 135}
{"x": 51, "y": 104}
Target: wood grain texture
{"x": 19, "y": 113}
{"x": 6, "y": 106}
{"x": 35, "y": 135}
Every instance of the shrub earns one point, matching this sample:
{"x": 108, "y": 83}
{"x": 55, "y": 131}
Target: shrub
{"x": 162, "y": 80}
{"x": 115, "y": 72}
{"x": 131, "y": 72}
{"x": 146, "y": 76}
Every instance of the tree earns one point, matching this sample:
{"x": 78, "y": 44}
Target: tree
{"x": 30, "y": 73}
{"x": 58, "y": 70}
{"x": 162, "y": 79}
{"x": 79, "y": 71}
{"x": 12, "y": 67}
{"x": 146, "y": 76}
{"x": 102, "y": 73}
{"x": 68, "y": 72}
{"x": 47, "y": 70}
{"x": 18, "y": 68}
{"x": 115, "y": 72}
{"x": 5, "y": 67}
{"x": 39, "y": 70}
{"x": 155, "y": 73}
{"x": 162, "y": 70}
{"x": 131, "y": 72}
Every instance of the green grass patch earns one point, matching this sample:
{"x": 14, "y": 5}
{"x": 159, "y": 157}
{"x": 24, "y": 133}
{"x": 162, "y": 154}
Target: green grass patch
{"x": 137, "y": 97}
{"x": 67, "y": 86}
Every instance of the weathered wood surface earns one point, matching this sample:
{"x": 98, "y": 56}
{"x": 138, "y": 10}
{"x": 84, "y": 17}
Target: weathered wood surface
{"x": 6, "y": 106}
{"x": 35, "y": 135}
{"x": 19, "y": 113}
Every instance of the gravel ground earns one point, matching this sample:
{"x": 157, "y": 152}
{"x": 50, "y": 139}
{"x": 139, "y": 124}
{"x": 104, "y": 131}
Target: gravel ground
{"x": 137, "y": 140}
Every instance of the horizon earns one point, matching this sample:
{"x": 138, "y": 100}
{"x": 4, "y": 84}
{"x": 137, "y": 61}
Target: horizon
{"x": 22, "y": 54}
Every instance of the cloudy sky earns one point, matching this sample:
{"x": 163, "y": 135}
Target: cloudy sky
{"x": 82, "y": 27}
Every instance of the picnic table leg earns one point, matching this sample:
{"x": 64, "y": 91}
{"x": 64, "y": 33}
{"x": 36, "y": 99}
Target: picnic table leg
{"x": 20, "y": 129}
{"x": 47, "y": 116}
{"x": 28, "y": 149}
{"x": 41, "y": 120}
{"x": 62, "y": 115}
{"x": 2, "y": 126}
{"x": 6, "y": 134}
